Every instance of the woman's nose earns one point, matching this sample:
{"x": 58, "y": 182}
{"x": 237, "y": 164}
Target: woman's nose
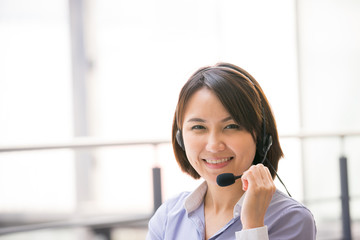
{"x": 215, "y": 143}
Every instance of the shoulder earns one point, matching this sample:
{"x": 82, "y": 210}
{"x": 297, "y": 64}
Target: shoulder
{"x": 283, "y": 205}
{"x": 284, "y": 201}
{"x": 287, "y": 217}
{"x": 169, "y": 209}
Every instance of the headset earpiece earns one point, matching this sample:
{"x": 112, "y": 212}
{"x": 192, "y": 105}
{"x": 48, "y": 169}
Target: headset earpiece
{"x": 180, "y": 140}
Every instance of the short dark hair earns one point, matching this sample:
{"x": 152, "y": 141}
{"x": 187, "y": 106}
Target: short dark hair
{"x": 242, "y": 97}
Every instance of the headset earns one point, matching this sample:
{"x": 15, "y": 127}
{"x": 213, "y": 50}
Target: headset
{"x": 266, "y": 140}
{"x": 227, "y": 179}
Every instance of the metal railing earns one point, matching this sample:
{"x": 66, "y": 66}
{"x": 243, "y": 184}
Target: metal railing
{"x": 77, "y": 143}
{"x": 104, "y": 226}
{"x": 99, "y": 225}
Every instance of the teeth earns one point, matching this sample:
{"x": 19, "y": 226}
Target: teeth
{"x": 217, "y": 161}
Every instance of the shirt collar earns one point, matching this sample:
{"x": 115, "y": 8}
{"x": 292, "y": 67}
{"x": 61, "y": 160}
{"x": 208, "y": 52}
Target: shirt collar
{"x": 196, "y": 198}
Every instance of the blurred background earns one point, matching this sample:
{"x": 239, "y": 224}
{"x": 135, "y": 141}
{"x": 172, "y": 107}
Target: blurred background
{"x": 88, "y": 89}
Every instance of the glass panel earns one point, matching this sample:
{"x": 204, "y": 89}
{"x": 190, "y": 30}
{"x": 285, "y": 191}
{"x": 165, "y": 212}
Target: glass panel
{"x": 322, "y": 168}
{"x": 35, "y": 94}
{"x": 329, "y": 34}
{"x": 35, "y": 106}
{"x": 45, "y": 179}
{"x": 145, "y": 53}
{"x": 329, "y": 38}
{"x": 123, "y": 181}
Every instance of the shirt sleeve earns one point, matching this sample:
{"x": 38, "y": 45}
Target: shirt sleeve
{"x": 156, "y": 224}
{"x": 260, "y": 233}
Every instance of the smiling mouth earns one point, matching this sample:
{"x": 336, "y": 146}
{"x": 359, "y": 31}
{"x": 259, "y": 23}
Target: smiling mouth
{"x": 218, "y": 161}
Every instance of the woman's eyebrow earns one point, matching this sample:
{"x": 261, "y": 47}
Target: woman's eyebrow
{"x": 227, "y": 119}
{"x": 196, "y": 120}
{"x": 202, "y": 120}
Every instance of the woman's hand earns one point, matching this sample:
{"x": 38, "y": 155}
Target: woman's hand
{"x": 259, "y": 187}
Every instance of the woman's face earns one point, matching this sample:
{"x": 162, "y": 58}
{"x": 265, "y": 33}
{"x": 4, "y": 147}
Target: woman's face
{"x": 214, "y": 142}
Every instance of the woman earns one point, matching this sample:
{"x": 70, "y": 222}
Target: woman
{"x": 223, "y": 124}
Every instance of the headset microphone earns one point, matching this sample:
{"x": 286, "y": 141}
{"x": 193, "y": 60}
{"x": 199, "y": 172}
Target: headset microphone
{"x": 227, "y": 179}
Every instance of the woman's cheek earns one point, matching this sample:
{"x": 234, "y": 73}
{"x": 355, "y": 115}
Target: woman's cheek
{"x": 192, "y": 159}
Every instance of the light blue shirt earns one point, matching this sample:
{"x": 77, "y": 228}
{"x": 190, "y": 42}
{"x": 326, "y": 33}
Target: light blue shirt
{"x": 182, "y": 218}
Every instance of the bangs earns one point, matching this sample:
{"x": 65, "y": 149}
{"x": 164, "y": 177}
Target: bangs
{"x": 239, "y": 97}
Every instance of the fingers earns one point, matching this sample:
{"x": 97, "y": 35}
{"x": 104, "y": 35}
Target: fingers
{"x": 258, "y": 177}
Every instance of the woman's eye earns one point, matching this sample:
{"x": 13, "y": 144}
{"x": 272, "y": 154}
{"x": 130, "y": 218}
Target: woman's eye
{"x": 232, "y": 126}
{"x": 197, "y": 127}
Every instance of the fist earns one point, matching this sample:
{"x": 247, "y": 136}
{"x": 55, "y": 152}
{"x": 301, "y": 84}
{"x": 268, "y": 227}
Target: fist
{"x": 259, "y": 188}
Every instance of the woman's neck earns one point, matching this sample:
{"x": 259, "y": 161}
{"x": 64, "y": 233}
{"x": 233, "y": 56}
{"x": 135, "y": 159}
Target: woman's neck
{"x": 222, "y": 199}
{"x": 219, "y": 205}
